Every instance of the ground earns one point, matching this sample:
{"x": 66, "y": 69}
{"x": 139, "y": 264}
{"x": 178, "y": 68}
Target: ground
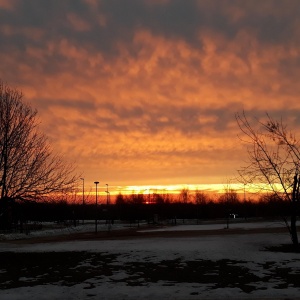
{"x": 205, "y": 261}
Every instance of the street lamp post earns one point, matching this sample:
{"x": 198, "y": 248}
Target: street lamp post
{"x": 107, "y": 192}
{"x": 82, "y": 200}
{"x": 107, "y": 202}
{"x": 96, "y": 219}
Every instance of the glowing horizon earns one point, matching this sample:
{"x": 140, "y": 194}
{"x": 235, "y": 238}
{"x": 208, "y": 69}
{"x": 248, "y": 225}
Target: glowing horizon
{"x": 169, "y": 189}
{"x": 174, "y": 189}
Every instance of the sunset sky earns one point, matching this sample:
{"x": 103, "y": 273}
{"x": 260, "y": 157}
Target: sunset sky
{"x": 145, "y": 92}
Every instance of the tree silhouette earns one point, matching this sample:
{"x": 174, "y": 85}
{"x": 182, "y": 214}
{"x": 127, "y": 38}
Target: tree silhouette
{"x": 29, "y": 169}
{"x": 274, "y": 160}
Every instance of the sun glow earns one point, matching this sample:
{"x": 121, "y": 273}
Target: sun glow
{"x": 214, "y": 190}
{"x": 171, "y": 189}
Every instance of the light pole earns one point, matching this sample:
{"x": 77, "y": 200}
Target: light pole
{"x": 96, "y": 219}
{"x": 107, "y": 202}
{"x": 82, "y": 200}
{"x": 107, "y": 192}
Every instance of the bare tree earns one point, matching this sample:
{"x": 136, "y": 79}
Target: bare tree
{"x": 230, "y": 196}
{"x": 184, "y": 195}
{"x": 29, "y": 169}
{"x": 274, "y": 160}
{"x": 201, "y": 198}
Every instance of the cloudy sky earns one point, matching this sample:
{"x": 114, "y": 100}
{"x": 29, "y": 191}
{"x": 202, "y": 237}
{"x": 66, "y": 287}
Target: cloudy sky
{"x": 144, "y": 92}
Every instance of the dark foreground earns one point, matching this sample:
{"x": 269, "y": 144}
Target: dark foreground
{"x": 72, "y": 268}
{"x": 92, "y": 274}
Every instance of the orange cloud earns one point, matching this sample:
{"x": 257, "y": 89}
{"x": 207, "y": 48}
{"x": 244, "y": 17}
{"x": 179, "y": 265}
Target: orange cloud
{"x": 7, "y": 4}
{"x": 145, "y": 103}
{"x": 78, "y": 23}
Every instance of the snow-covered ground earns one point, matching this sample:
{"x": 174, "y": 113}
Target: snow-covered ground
{"x": 53, "y": 229}
{"x": 239, "y": 252}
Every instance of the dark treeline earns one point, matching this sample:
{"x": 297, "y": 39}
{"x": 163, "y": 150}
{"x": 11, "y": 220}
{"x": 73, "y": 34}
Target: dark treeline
{"x": 153, "y": 208}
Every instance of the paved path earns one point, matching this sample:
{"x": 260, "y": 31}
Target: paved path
{"x": 141, "y": 233}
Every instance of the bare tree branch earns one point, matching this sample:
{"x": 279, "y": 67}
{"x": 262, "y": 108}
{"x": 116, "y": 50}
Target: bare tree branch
{"x": 273, "y": 160}
{"x": 29, "y": 169}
